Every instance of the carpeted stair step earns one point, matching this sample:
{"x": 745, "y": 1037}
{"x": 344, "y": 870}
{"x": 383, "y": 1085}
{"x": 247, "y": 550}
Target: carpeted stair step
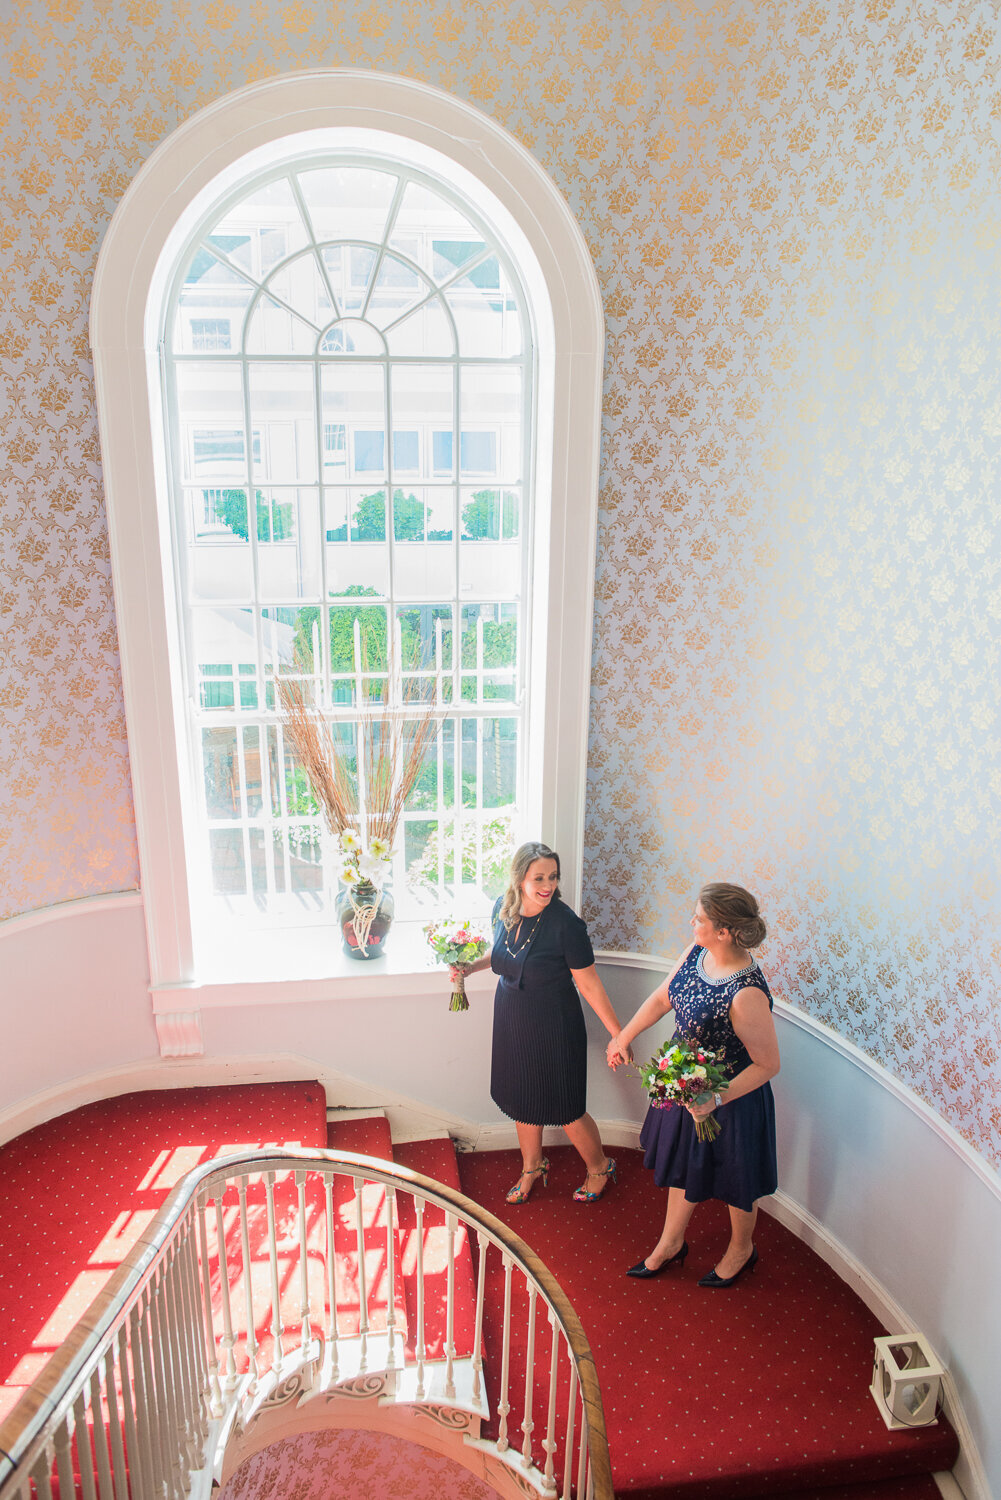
{"x": 435, "y": 1158}
{"x": 762, "y": 1389}
{"x": 365, "y": 1132}
{"x": 910, "y": 1487}
{"x": 80, "y": 1189}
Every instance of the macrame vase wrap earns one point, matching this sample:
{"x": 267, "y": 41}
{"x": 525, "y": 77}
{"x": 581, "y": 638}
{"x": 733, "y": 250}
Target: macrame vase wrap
{"x": 365, "y": 900}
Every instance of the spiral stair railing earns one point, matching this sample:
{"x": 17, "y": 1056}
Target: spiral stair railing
{"x": 146, "y": 1396}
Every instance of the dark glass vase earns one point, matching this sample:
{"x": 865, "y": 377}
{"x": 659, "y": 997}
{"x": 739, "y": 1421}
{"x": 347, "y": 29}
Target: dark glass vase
{"x": 365, "y": 896}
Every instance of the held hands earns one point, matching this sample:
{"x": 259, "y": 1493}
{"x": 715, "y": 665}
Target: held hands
{"x": 618, "y": 1052}
{"x": 701, "y": 1111}
{"x": 456, "y": 971}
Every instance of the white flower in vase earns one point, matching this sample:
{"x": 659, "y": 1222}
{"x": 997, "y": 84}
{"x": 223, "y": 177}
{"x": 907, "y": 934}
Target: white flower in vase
{"x": 350, "y": 874}
{"x": 380, "y": 848}
{"x": 350, "y": 841}
{"x": 373, "y": 868}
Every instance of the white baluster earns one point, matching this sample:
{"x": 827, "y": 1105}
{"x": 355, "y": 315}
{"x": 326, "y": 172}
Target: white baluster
{"x": 195, "y": 1375}
{"x": 548, "y": 1480}
{"x": 420, "y": 1350}
{"x": 306, "y": 1336}
{"x": 84, "y": 1455}
{"x": 228, "y": 1338}
{"x": 248, "y": 1283}
{"x": 208, "y": 1322}
{"x": 328, "y": 1193}
{"x": 571, "y": 1420}
{"x": 198, "y": 1339}
{"x": 102, "y": 1462}
{"x": 161, "y": 1390}
{"x": 147, "y": 1420}
{"x": 481, "y": 1280}
{"x": 277, "y": 1327}
{"x": 450, "y": 1221}
{"x": 176, "y": 1330}
{"x": 119, "y": 1471}
{"x": 527, "y": 1423}
{"x": 40, "y": 1474}
{"x": 504, "y": 1405}
{"x": 362, "y": 1275}
{"x": 64, "y": 1458}
{"x": 391, "y": 1277}
{"x": 582, "y": 1465}
{"x": 140, "y": 1473}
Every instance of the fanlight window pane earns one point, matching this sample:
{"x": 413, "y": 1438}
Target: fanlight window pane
{"x": 300, "y": 286}
{"x": 348, "y": 203}
{"x": 273, "y": 329}
{"x": 349, "y": 400}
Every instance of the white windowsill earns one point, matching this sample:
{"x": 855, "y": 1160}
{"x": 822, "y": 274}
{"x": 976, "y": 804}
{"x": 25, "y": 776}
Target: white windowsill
{"x": 272, "y": 965}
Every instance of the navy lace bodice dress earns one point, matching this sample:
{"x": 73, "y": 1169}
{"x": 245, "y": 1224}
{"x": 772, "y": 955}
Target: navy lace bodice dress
{"x": 739, "y": 1166}
{"x": 538, "y": 1071}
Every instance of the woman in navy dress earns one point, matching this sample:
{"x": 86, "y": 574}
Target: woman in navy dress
{"x": 722, "y": 1001}
{"x": 542, "y": 956}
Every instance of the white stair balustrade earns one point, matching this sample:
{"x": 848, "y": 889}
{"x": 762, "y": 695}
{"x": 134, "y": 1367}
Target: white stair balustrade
{"x": 176, "y": 1373}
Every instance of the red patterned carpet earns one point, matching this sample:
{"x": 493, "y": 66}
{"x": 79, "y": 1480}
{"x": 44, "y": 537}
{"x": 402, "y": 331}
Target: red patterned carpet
{"x": 80, "y": 1189}
{"x": 760, "y": 1390}
{"x": 757, "y": 1390}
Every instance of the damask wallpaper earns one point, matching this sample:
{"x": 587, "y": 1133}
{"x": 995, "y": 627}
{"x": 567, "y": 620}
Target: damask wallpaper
{"x": 793, "y": 210}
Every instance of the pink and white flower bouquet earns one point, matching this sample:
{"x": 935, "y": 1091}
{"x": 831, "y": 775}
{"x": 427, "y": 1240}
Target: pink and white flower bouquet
{"x": 456, "y": 944}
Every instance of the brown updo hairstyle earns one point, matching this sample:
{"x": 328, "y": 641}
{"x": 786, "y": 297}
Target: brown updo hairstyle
{"x": 732, "y": 907}
{"x": 523, "y": 858}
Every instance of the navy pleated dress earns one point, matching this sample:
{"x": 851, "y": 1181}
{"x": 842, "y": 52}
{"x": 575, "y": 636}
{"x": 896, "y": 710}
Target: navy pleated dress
{"x": 538, "y": 1072}
{"x": 739, "y": 1166}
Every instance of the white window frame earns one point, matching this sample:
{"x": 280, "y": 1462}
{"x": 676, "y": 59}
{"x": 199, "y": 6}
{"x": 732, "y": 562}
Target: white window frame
{"x": 243, "y": 132}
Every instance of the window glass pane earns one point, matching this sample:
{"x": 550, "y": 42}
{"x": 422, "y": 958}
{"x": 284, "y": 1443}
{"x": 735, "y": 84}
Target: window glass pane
{"x": 485, "y": 311}
{"x": 425, "y": 217}
{"x": 423, "y": 398}
{"x": 349, "y": 270}
{"x": 490, "y": 400}
{"x": 211, "y": 426}
{"x": 229, "y": 870}
{"x": 224, "y": 642}
{"x": 260, "y": 230}
{"x": 425, "y": 333}
{"x": 220, "y": 773}
{"x": 290, "y": 643}
{"x": 273, "y": 329}
{"x": 221, "y": 566}
{"x": 477, "y": 452}
{"x": 489, "y": 514}
{"x": 348, "y": 202}
{"x": 300, "y": 285}
{"x": 212, "y": 305}
{"x": 406, "y": 452}
{"x": 358, "y": 641}
{"x": 369, "y": 451}
{"x": 353, "y": 396}
{"x": 282, "y": 410}
{"x": 499, "y": 762}
{"x": 397, "y": 288}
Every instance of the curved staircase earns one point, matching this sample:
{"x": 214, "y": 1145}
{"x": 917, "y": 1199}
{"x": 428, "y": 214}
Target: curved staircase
{"x": 437, "y": 1338}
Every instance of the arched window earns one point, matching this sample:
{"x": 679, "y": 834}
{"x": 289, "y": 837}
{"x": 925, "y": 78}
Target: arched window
{"x": 348, "y": 348}
{"x": 348, "y": 366}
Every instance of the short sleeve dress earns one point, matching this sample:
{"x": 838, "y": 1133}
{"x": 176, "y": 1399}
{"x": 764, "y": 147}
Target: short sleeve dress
{"x": 739, "y": 1166}
{"x": 538, "y": 1071}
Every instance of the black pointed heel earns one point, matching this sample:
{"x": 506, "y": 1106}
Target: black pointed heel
{"x": 715, "y": 1281}
{"x": 643, "y": 1272}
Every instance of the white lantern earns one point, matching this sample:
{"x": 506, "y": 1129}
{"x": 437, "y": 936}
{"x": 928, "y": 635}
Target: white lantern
{"x": 906, "y": 1382}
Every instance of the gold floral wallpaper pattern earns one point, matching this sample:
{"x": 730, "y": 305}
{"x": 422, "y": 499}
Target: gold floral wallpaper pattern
{"x": 794, "y": 215}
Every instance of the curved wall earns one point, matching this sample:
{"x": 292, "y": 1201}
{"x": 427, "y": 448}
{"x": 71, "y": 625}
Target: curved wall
{"x": 894, "y": 1197}
{"x": 791, "y": 208}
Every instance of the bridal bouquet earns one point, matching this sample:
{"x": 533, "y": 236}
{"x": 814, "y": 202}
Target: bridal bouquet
{"x": 685, "y": 1073}
{"x": 456, "y": 944}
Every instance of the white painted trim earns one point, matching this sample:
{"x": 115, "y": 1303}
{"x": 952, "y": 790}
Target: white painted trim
{"x": 823, "y": 1033}
{"x": 178, "y": 180}
{"x": 81, "y": 906}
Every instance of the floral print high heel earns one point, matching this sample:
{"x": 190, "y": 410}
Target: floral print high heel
{"x": 583, "y": 1196}
{"x": 518, "y": 1194}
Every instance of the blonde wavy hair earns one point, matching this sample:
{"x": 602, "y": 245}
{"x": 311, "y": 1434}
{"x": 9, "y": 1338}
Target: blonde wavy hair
{"x": 523, "y": 858}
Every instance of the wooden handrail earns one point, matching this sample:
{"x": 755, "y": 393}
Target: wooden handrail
{"x": 51, "y": 1396}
